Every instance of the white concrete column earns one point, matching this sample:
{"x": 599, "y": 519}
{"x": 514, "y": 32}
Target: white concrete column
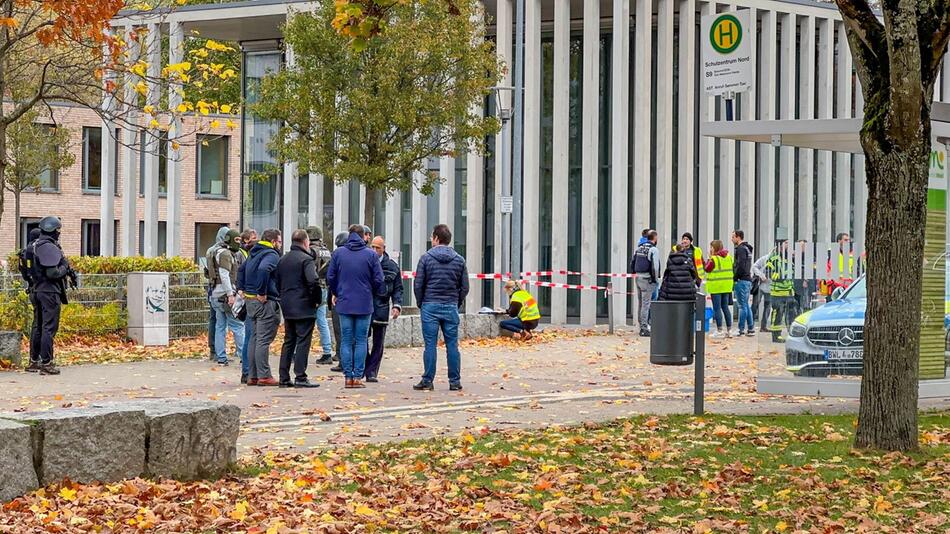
{"x": 590, "y": 152}
{"x": 559, "y": 179}
{"x": 362, "y": 204}
{"x": 685, "y": 199}
{"x": 503, "y": 46}
{"x": 475, "y": 224}
{"x": 665, "y": 179}
{"x": 843, "y": 111}
{"x": 392, "y": 233}
{"x": 620, "y": 147}
{"x": 765, "y": 233}
{"x": 531, "y": 229}
{"x": 289, "y": 191}
{"x": 826, "y": 93}
{"x": 806, "y": 110}
{"x": 153, "y": 55}
{"x": 860, "y": 180}
{"x": 130, "y": 138}
{"x": 447, "y": 191}
{"x": 726, "y": 200}
{"x": 341, "y": 208}
{"x": 786, "y": 195}
{"x": 107, "y": 170}
{"x": 704, "y": 231}
{"x": 173, "y": 202}
{"x": 315, "y": 200}
{"x": 420, "y": 230}
{"x": 944, "y": 81}
{"x": 746, "y": 182}
{"x": 642, "y": 103}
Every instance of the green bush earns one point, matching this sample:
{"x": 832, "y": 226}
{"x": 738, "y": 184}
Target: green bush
{"x": 16, "y": 313}
{"x": 120, "y": 265}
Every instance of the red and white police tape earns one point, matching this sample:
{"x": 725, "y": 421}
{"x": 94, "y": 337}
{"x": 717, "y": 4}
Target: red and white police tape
{"x": 407, "y": 275}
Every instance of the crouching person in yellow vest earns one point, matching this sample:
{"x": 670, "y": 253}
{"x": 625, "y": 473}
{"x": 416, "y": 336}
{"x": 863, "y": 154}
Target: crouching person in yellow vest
{"x": 523, "y": 309}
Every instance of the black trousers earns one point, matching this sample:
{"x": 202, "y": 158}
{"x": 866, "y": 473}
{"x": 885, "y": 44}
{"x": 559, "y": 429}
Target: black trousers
{"x": 298, "y": 333}
{"x": 46, "y": 308}
{"x": 375, "y": 357}
{"x": 335, "y": 319}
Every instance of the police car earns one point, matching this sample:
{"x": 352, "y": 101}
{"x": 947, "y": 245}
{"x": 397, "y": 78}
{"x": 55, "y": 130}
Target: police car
{"x": 829, "y": 340}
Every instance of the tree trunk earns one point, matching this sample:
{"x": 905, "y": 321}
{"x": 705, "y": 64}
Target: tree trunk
{"x": 897, "y": 211}
{"x": 16, "y": 219}
{"x": 369, "y": 209}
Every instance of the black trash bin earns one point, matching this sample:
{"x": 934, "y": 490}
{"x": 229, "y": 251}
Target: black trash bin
{"x": 671, "y": 332}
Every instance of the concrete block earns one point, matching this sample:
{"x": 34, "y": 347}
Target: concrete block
{"x": 481, "y": 326}
{"x": 87, "y": 444}
{"x": 17, "y": 474}
{"x": 188, "y": 439}
{"x": 399, "y": 332}
{"x": 416, "y": 334}
{"x": 463, "y": 334}
{"x": 10, "y": 347}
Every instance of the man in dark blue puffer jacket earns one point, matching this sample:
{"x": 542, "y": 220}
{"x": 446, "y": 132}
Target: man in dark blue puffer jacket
{"x": 441, "y": 286}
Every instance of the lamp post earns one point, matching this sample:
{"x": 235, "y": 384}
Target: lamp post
{"x": 506, "y": 203}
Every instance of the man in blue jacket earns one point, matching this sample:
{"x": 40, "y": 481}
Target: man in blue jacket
{"x": 441, "y": 286}
{"x": 259, "y": 280}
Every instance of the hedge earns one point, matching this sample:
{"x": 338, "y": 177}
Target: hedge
{"x": 17, "y": 314}
{"x": 121, "y": 265}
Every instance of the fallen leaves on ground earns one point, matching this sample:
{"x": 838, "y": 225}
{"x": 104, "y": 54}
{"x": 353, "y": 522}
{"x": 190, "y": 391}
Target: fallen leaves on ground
{"x": 548, "y": 335}
{"x": 645, "y": 474}
{"x": 116, "y": 349}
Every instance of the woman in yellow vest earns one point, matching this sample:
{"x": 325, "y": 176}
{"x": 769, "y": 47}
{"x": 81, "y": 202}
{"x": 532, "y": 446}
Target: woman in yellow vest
{"x": 524, "y": 310}
{"x": 719, "y": 284}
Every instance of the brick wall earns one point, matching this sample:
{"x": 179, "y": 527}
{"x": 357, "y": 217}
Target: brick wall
{"x": 73, "y": 205}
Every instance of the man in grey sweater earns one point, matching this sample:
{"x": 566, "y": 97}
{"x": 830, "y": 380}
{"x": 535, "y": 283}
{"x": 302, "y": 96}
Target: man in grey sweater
{"x": 646, "y": 265}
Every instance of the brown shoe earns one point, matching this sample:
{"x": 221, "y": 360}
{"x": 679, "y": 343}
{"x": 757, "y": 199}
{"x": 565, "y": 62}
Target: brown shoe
{"x": 252, "y": 381}
{"x": 357, "y": 383}
{"x": 267, "y": 382}
{"x": 348, "y": 383}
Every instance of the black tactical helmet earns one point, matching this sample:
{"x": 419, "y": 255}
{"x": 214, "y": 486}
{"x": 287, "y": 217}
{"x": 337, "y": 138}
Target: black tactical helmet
{"x": 50, "y": 224}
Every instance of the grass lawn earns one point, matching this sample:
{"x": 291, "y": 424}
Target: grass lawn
{"x": 644, "y": 474}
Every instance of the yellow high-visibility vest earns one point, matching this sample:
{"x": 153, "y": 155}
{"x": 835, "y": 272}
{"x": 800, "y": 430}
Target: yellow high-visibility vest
{"x": 529, "y": 306}
{"x": 720, "y": 280}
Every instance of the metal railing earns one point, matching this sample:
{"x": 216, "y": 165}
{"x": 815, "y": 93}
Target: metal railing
{"x": 100, "y": 305}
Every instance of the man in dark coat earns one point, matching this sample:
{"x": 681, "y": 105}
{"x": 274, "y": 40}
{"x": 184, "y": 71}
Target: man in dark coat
{"x": 300, "y": 295}
{"x": 440, "y": 287}
{"x": 392, "y": 280}
{"x": 321, "y": 256}
{"x": 680, "y": 279}
{"x": 50, "y": 273}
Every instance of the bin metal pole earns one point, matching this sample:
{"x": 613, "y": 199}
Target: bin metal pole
{"x": 700, "y": 356}
{"x": 610, "y": 308}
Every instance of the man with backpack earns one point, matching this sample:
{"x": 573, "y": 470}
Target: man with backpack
{"x": 25, "y": 264}
{"x": 223, "y": 260}
{"x": 322, "y": 257}
{"x": 646, "y": 265}
{"x": 49, "y": 273}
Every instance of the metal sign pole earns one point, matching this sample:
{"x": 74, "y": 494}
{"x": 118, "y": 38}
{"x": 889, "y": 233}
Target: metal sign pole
{"x": 610, "y": 309}
{"x": 699, "y": 361}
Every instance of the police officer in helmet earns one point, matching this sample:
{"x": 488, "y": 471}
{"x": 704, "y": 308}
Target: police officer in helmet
{"x": 25, "y": 261}
{"x": 50, "y": 273}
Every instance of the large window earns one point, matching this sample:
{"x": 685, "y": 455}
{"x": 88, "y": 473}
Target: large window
{"x": 91, "y": 229}
{"x": 162, "y": 166}
{"x": 162, "y": 238}
{"x": 261, "y": 176}
{"x": 27, "y": 224}
{"x": 91, "y": 159}
{"x": 213, "y": 166}
{"x": 205, "y": 234}
{"x": 48, "y": 180}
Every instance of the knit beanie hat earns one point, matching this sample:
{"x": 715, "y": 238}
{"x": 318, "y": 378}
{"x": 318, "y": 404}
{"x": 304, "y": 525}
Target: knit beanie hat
{"x": 689, "y": 236}
{"x": 315, "y": 233}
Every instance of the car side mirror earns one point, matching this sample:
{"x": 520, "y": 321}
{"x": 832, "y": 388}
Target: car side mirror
{"x": 836, "y": 294}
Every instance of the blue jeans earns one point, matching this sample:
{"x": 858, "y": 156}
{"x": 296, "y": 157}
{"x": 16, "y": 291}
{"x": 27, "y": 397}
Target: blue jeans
{"x": 445, "y": 317}
{"x": 746, "y": 322}
{"x": 354, "y": 337}
{"x": 324, "y": 327}
{"x": 512, "y": 325}
{"x": 223, "y": 320}
{"x": 720, "y": 302}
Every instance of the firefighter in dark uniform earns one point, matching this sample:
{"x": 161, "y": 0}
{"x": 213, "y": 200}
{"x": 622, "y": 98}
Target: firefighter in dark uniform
{"x": 50, "y": 273}
{"x": 25, "y": 260}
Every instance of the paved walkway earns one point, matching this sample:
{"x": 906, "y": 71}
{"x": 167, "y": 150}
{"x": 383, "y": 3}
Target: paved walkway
{"x": 572, "y": 379}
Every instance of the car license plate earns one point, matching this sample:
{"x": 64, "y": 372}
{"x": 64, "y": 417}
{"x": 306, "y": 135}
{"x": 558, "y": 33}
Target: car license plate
{"x": 844, "y": 354}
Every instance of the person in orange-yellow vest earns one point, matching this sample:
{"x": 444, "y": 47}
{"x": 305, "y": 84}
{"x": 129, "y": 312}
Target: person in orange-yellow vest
{"x": 693, "y": 252}
{"x": 846, "y": 271}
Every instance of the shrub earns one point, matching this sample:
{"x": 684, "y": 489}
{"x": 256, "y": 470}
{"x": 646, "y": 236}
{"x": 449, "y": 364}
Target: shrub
{"x": 121, "y": 265}
{"x": 78, "y": 319}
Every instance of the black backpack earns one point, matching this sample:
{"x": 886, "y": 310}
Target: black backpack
{"x": 641, "y": 259}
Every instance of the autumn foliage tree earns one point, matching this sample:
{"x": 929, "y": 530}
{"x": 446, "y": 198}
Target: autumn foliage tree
{"x": 897, "y": 59}
{"x": 64, "y": 51}
{"x": 376, "y": 113}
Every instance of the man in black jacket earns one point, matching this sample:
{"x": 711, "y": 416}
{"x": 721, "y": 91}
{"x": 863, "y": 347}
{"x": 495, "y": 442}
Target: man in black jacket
{"x": 300, "y": 294}
{"x": 742, "y": 273}
{"x": 392, "y": 279}
{"x": 50, "y": 272}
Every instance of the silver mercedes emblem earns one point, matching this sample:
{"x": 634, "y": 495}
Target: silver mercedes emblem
{"x": 846, "y": 336}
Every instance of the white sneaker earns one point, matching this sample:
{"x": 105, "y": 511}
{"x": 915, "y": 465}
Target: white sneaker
{"x": 718, "y": 334}
{"x": 734, "y": 333}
